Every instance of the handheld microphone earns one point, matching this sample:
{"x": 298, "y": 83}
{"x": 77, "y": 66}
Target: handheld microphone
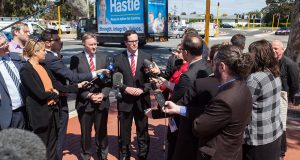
{"x": 111, "y": 66}
{"x": 148, "y": 64}
{"x": 106, "y": 91}
{"x": 100, "y": 76}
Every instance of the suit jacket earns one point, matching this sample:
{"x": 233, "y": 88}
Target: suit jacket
{"x": 37, "y": 97}
{"x": 62, "y": 73}
{"x": 79, "y": 64}
{"x": 198, "y": 69}
{"x": 221, "y": 127}
{"x": 195, "y": 99}
{"x": 289, "y": 76}
{"x": 5, "y": 101}
{"x": 140, "y": 81}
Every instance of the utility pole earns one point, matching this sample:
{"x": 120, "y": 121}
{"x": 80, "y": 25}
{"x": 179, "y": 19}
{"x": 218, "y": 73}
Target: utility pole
{"x": 273, "y": 22}
{"x": 218, "y": 11}
{"x": 88, "y": 6}
{"x": 207, "y": 21}
{"x": 58, "y": 17}
{"x": 278, "y": 19}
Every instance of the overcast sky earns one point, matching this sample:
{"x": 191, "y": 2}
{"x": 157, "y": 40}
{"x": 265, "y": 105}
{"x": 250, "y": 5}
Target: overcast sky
{"x": 226, "y": 6}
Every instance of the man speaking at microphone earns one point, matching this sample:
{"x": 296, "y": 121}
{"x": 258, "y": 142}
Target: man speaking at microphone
{"x": 135, "y": 99}
{"x": 92, "y": 104}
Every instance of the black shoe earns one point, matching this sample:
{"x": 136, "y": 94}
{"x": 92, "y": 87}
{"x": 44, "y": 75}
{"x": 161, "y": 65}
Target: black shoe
{"x": 85, "y": 156}
{"x": 124, "y": 157}
{"x": 142, "y": 158}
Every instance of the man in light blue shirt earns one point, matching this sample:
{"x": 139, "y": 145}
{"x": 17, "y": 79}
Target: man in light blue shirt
{"x": 12, "y": 110}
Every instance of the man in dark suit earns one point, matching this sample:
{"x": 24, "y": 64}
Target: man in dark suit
{"x": 221, "y": 127}
{"x": 12, "y": 110}
{"x": 54, "y": 63}
{"x": 92, "y": 104}
{"x": 135, "y": 97}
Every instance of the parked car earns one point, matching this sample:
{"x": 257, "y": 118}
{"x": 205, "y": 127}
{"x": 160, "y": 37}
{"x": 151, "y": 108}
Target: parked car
{"x": 226, "y": 25}
{"x": 282, "y": 31}
{"x": 177, "y": 33}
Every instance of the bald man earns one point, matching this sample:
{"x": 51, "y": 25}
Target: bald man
{"x": 289, "y": 78}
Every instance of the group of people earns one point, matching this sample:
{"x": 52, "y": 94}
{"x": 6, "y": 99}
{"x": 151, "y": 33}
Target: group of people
{"x": 233, "y": 105}
{"x": 224, "y": 104}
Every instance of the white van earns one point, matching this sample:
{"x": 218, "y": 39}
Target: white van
{"x": 64, "y": 27}
{"x": 200, "y": 27}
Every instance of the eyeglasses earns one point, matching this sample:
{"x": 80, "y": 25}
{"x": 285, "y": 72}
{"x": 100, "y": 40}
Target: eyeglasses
{"x": 131, "y": 42}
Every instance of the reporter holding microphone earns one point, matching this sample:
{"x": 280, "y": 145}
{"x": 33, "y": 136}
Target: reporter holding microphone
{"x": 42, "y": 95}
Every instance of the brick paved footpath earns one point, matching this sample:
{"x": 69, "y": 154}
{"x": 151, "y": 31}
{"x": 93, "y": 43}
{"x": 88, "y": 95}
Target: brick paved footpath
{"x": 156, "y": 131}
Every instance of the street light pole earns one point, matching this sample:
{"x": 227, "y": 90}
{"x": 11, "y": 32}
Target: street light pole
{"x": 273, "y": 22}
{"x": 207, "y": 18}
{"x": 218, "y": 11}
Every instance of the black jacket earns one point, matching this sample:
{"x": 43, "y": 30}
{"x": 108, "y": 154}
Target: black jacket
{"x": 37, "y": 97}
{"x": 289, "y": 76}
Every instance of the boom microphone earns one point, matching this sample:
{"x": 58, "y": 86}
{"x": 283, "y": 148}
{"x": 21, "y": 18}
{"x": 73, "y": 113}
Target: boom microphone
{"x": 118, "y": 80}
{"x": 118, "y": 83}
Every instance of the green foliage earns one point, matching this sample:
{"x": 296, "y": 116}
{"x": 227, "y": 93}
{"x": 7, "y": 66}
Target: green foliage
{"x": 283, "y": 7}
{"x": 20, "y": 8}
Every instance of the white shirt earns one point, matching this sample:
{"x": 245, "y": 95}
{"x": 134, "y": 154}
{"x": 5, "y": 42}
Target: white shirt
{"x": 135, "y": 57}
{"x": 13, "y": 91}
{"x": 94, "y": 60}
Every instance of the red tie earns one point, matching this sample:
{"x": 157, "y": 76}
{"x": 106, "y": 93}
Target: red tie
{"x": 92, "y": 65}
{"x": 132, "y": 65}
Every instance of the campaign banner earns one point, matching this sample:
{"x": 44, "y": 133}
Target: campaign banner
{"x": 157, "y": 16}
{"x": 117, "y": 16}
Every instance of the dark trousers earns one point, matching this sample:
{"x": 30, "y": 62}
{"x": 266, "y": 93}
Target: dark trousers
{"x": 99, "y": 120}
{"x": 143, "y": 139}
{"x": 172, "y": 137}
{"x": 18, "y": 119}
{"x": 63, "y": 122}
{"x": 269, "y": 151}
{"x": 49, "y": 134}
{"x": 283, "y": 144}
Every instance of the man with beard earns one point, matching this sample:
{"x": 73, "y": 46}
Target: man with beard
{"x": 20, "y": 32}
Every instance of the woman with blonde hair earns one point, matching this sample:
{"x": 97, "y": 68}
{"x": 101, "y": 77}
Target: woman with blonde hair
{"x": 42, "y": 95}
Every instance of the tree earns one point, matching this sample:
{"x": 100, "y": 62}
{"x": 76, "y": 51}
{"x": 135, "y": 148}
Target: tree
{"x": 20, "y": 8}
{"x": 283, "y": 7}
{"x": 183, "y": 13}
{"x": 293, "y": 46}
{"x": 194, "y": 12}
{"x": 224, "y": 15}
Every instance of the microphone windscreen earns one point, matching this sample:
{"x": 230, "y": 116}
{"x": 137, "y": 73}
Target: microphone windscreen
{"x": 79, "y": 7}
{"x": 106, "y": 91}
{"x": 148, "y": 64}
{"x": 117, "y": 79}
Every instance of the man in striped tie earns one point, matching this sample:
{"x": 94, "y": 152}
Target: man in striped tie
{"x": 12, "y": 95}
{"x": 135, "y": 98}
{"x": 92, "y": 104}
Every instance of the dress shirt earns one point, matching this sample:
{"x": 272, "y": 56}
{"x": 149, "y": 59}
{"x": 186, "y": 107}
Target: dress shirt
{"x": 13, "y": 91}
{"x": 55, "y": 54}
{"x": 15, "y": 47}
{"x": 135, "y": 57}
{"x": 94, "y": 60}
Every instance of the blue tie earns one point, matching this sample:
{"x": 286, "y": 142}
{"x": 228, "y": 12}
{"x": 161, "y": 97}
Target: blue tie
{"x": 13, "y": 76}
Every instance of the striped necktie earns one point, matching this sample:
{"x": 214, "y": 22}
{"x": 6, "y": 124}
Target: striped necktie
{"x": 15, "y": 79}
{"x": 132, "y": 65}
{"x": 92, "y": 65}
